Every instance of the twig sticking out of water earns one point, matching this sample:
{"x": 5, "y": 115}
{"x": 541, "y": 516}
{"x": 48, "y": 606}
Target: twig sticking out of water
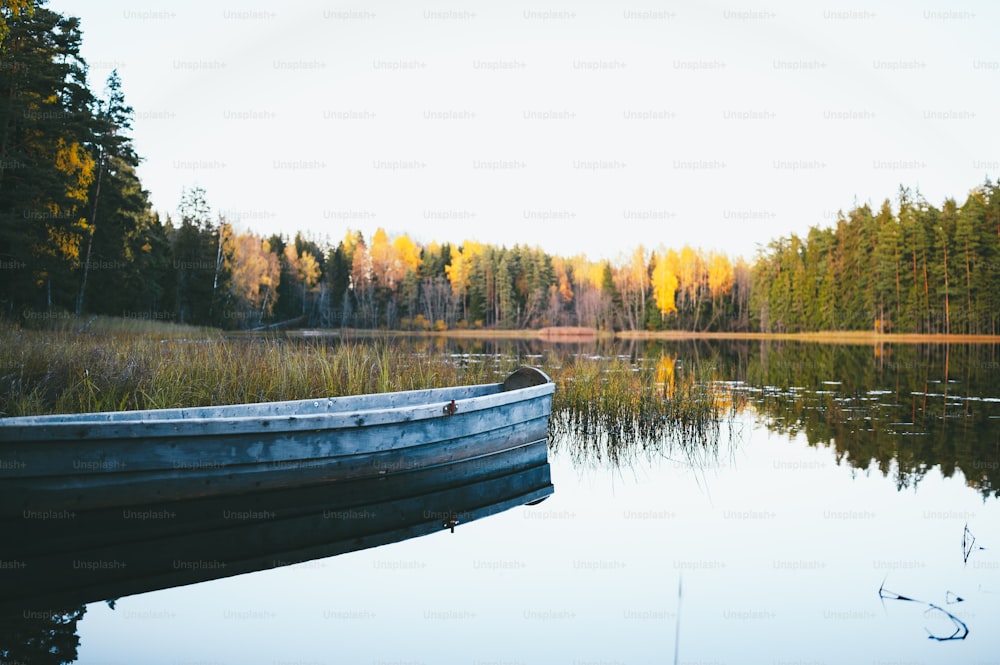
{"x": 677, "y": 631}
{"x": 968, "y": 540}
{"x": 885, "y": 594}
{"x": 961, "y": 630}
{"x": 968, "y": 544}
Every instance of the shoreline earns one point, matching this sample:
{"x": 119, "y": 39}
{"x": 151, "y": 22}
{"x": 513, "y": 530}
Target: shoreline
{"x": 576, "y": 335}
{"x": 554, "y": 334}
{"x": 828, "y": 336}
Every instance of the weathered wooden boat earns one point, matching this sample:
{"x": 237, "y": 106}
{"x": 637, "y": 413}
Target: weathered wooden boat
{"x": 114, "y": 552}
{"x": 53, "y": 464}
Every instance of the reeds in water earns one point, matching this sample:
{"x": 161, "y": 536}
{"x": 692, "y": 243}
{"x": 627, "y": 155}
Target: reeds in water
{"x": 65, "y": 372}
{"x": 621, "y": 411}
{"x": 605, "y": 408}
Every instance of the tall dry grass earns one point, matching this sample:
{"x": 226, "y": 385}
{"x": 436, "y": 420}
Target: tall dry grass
{"x": 606, "y": 408}
{"x": 63, "y": 371}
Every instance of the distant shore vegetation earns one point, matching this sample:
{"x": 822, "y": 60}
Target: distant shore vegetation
{"x": 78, "y": 237}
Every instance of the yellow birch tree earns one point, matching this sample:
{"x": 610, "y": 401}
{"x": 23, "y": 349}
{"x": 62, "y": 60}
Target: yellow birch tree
{"x": 665, "y": 281}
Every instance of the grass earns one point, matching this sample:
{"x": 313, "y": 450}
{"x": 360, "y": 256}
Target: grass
{"x": 60, "y": 371}
{"x": 608, "y": 407}
{"x": 611, "y": 410}
{"x": 107, "y": 325}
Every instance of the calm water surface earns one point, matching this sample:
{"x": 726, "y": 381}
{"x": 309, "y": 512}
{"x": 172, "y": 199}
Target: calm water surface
{"x": 854, "y": 470}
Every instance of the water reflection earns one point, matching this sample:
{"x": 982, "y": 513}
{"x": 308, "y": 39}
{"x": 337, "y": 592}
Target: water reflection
{"x": 903, "y": 409}
{"x": 32, "y": 636}
{"x": 941, "y": 624}
{"x": 52, "y": 568}
{"x": 900, "y": 409}
{"x": 944, "y": 626}
{"x": 780, "y": 549}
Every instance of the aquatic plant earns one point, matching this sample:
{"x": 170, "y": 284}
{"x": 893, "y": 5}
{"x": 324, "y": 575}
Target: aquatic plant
{"x": 611, "y": 408}
{"x": 614, "y": 410}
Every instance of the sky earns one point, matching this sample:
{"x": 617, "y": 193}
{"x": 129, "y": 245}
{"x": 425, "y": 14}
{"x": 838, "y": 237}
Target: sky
{"x": 581, "y": 128}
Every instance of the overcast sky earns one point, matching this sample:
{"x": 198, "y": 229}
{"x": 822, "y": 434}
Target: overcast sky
{"x": 578, "y": 127}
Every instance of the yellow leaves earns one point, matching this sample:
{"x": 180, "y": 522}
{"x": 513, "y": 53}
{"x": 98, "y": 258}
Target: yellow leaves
{"x": 11, "y": 9}
{"x": 254, "y": 272}
{"x": 720, "y": 275}
{"x": 391, "y": 260}
{"x": 565, "y": 287}
{"x": 380, "y": 250}
{"x": 457, "y": 271}
{"x": 361, "y": 268}
{"x": 665, "y": 281}
{"x": 381, "y": 255}
{"x": 227, "y": 235}
{"x": 304, "y": 267}
{"x": 632, "y": 279}
{"x": 18, "y": 7}
{"x": 690, "y": 270}
{"x": 693, "y": 274}
{"x": 665, "y": 375}
{"x": 308, "y": 272}
{"x": 77, "y": 163}
{"x": 586, "y": 273}
{"x": 64, "y": 226}
{"x": 433, "y": 249}
{"x": 408, "y": 253}
{"x": 350, "y": 242}
{"x": 594, "y": 274}
{"x": 62, "y": 243}
{"x": 461, "y": 265}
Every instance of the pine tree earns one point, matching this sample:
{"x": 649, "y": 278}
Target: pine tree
{"x": 886, "y": 260}
{"x": 45, "y": 166}
{"x": 197, "y": 251}
{"x": 118, "y": 207}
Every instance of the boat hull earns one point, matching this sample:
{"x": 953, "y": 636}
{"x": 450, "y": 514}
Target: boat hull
{"x": 51, "y": 465}
{"x": 109, "y": 553}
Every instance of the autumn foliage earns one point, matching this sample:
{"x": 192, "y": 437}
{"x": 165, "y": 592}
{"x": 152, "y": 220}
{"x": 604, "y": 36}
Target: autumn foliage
{"x": 78, "y": 236}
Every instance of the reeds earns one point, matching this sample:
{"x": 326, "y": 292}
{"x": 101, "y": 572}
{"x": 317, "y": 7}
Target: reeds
{"x": 611, "y": 409}
{"x": 58, "y": 371}
{"x": 614, "y": 410}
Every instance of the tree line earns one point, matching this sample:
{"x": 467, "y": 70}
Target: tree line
{"x": 918, "y": 269}
{"x": 78, "y": 235}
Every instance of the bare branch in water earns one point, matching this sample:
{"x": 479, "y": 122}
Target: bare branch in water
{"x": 968, "y": 544}
{"x": 968, "y": 541}
{"x": 885, "y": 594}
{"x": 961, "y": 630}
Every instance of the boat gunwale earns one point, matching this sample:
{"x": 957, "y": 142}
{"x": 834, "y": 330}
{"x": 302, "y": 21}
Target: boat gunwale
{"x": 343, "y": 402}
{"x": 376, "y": 409}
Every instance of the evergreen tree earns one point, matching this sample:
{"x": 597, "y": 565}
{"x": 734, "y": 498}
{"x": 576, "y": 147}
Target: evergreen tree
{"x": 45, "y": 166}
{"x": 118, "y": 209}
{"x": 197, "y": 252}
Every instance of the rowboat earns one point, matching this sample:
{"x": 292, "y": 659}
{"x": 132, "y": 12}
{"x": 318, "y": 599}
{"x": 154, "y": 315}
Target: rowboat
{"x": 52, "y": 466}
{"x": 110, "y": 553}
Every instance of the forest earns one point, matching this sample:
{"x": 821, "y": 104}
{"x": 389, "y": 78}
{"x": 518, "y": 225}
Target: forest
{"x": 78, "y": 235}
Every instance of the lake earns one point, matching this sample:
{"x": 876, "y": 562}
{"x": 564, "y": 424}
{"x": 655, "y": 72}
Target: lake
{"x": 847, "y": 513}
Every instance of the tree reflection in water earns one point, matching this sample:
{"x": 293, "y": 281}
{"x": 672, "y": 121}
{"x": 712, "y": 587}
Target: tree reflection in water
{"x": 43, "y": 636}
